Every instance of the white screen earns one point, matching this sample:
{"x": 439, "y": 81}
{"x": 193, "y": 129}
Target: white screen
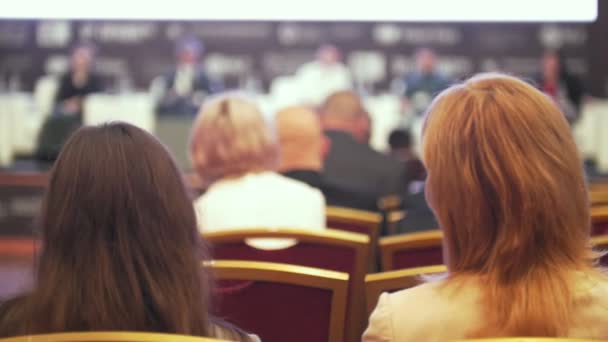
{"x": 308, "y": 10}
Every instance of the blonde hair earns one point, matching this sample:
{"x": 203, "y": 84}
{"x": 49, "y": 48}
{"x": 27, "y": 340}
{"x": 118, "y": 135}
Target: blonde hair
{"x": 506, "y": 183}
{"x": 231, "y": 138}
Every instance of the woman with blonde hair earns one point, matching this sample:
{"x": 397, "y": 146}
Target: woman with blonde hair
{"x": 506, "y": 183}
{"x": 235, "y": 152}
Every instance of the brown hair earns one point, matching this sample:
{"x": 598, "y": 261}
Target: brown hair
{"x": 231, "y": 138}
{"x": 505, "y": 181}
{"x": 120, "y": 247}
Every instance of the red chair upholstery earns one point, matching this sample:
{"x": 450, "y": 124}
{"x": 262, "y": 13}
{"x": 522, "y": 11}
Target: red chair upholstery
{"x": 330, "y": 249}
{"x": 280, "y": 302}
{"x": 411, "y": 250}
{"x": 600, "y": 242}
{"x": 392, "y": 281}
{"x": 599, "y": 220}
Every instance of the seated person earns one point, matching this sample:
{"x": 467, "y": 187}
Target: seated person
{"x": 351, "y": 161}
{"x": 425, "y": 82}
{"x": 184, "y": 89}
{"x": 235, "y": 153}
{"x": 419, "y": 216}
{"x": 505, "y": 181}
{"x": 303, "y": 147}
{"x": 74, "y": 87}
{"x": 400, "y": 143}
{"x": 79, "y": 82}
{"x": 120, "y": 248}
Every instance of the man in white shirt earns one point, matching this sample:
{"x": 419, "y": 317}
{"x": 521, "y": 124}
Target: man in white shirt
{"x": 323, "y": 76}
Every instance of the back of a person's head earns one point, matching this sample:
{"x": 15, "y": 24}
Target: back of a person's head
{"x": 231, "y": 138}
{"x": 399, "y": 139}
{"x": 506, "y": 183}
{"x": 300, "y": 137}
{"x": 120, "y": 248}
{"x": 344, "y": 110}
{"x": 342, "y": 105}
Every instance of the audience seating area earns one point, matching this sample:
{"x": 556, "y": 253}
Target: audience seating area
{"x": 326, "y": 273}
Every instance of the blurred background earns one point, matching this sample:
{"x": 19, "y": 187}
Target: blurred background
{"x": 65, "y": 63}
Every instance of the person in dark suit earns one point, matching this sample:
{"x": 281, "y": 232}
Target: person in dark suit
{"x": 303, "y": 147}
{"x": 419, "y": 216}
{"x": 425, "y": 82}
{"x": 80, "y": 81}
{"x": 351, "y": 160}
{"x": 74, "y": 86}
{"x": 556, "y": 81}
{"x": 185, "y": 87}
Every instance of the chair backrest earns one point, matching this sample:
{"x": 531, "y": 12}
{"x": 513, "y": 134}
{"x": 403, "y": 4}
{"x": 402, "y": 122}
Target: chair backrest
{"x": 411, "y": 250}
{"x": 599, "y": 220}
{"x": 391, "y": 281}
{"x": 328, "y": 249}
{"x": 281, "y": 302}
{"x": 107, "y": 336}
{"x": 354, "y": 220}
{"x": 601, "y": 243}
{"x": 598, "y": 196}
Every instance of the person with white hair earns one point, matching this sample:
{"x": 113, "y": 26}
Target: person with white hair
{"x": 235, "y": 153}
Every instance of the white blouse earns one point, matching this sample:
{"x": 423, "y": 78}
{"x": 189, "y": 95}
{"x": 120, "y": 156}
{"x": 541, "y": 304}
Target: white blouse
{"x": 261, "y": 200}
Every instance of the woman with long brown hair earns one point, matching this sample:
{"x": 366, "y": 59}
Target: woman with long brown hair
{"x": 120, "y": 245}
{"x": 506, "y": 183}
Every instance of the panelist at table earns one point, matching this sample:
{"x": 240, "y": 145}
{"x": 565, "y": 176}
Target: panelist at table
{"x": 184, "y": 88}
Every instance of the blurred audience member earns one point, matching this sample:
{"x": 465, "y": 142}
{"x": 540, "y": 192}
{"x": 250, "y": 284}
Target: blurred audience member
{"x": 556, "y": 81}
{"x": 80, "y": 81}
{"x": 419, "y": 216}
{"x": 235, "y": 152}
{"x": 185, "y": 87}
{"x": 351, "y": 161}
{"x": 506, "y": 183}
{"x": 120, "y": 247}
{"x": 323, "y": 76}
{"x": 303, "y": 148}
{"x": 424, "y": 83}
{"x": 400, "y": 142}
{"x": 74, "y": 87}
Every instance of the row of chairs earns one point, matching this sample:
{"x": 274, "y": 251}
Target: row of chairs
{"x": 157, "y": 337}
{"x": 338, "y": 251}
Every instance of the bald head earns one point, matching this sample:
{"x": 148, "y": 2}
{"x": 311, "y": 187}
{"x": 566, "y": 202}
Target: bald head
{"x": 344, "y": 111}
{"x": 301, "y": 139}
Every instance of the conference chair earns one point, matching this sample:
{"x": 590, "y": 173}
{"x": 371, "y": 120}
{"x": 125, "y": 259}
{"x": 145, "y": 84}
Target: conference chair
{"x": 600, "y": 242}
{"x": 598, "y": 196}
{"x": 599, "y": 220}
{"x": 411, "y": 250}
{"x": 113, "y": 336}
{"x": 354, "y": 220}
{"x": 328, "y": 249}
{"x": 281, "y": 302}
{"x": 358, "y": 221}
{"x": 391, "y": 281}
